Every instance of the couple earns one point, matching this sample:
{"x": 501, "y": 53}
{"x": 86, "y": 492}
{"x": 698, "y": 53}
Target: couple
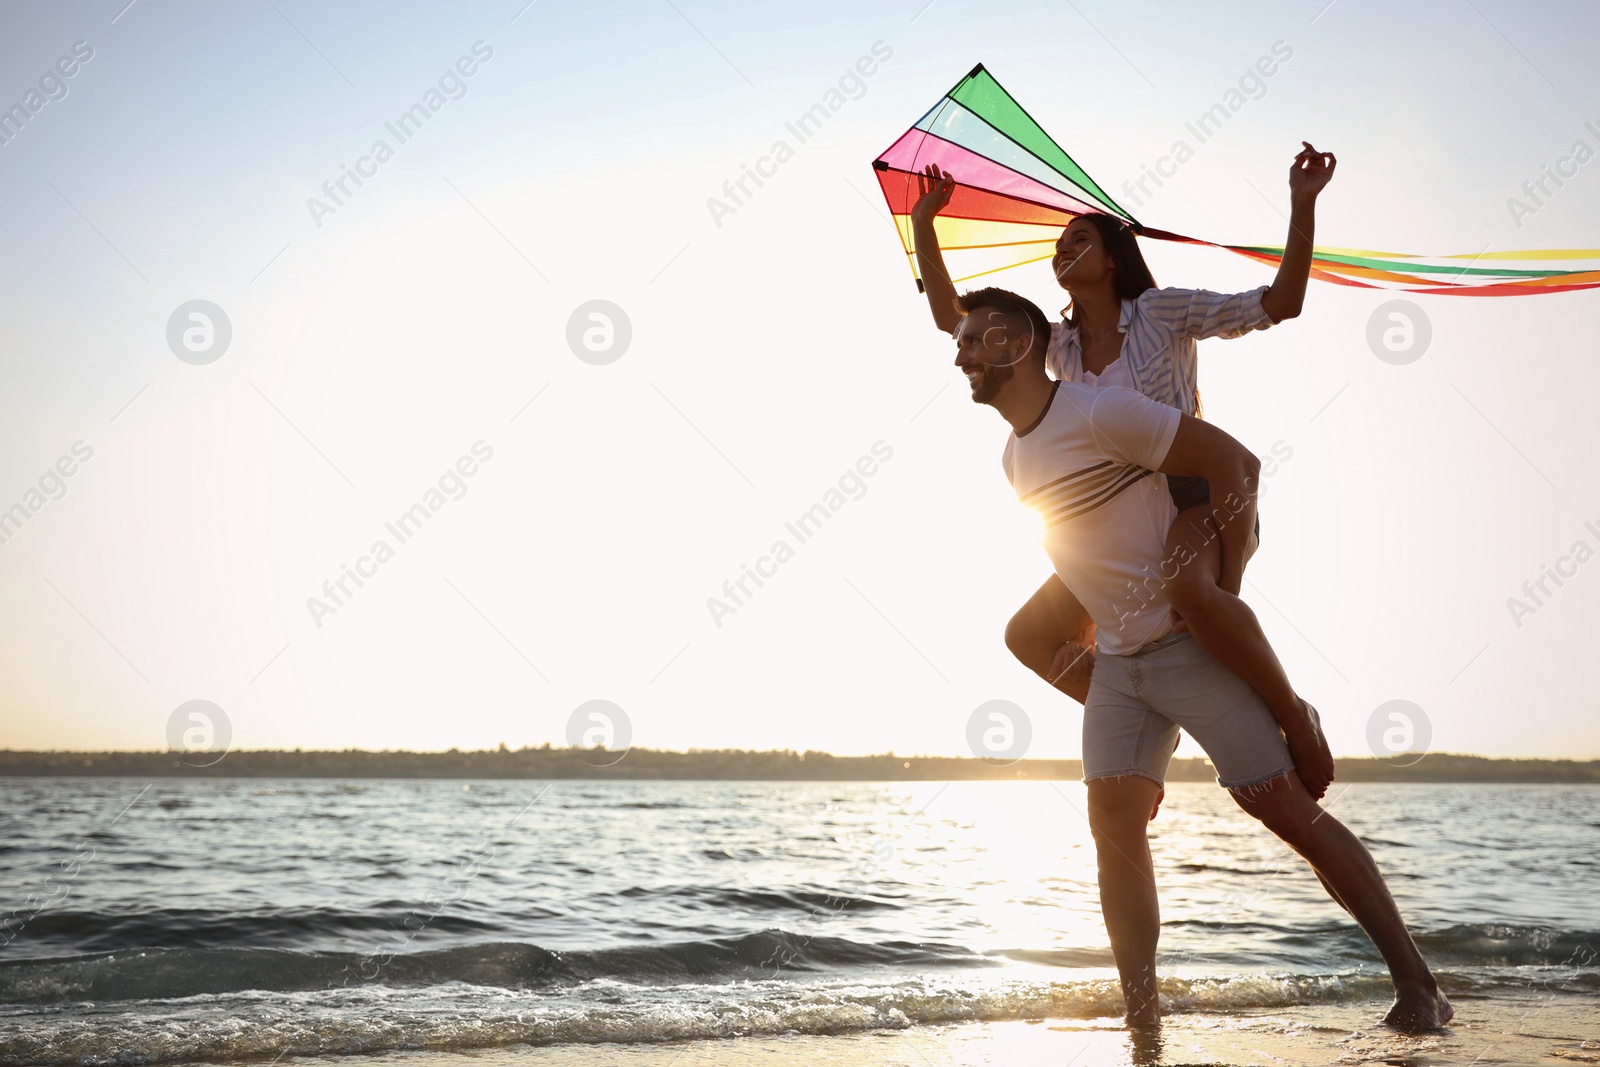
{"x": 1148, "y": 568}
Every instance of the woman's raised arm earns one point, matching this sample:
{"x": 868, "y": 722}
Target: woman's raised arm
{"x": 936, "y": 189}
{"x": 1307, "y": 177}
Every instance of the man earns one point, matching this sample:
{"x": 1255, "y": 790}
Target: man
{"x": 1090, "y": 460}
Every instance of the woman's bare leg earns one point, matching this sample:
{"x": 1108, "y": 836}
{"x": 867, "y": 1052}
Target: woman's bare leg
{"x": 1051, "y": 618}
{"x": 1222, "y": 623}
{"x": 1225, "y": 626}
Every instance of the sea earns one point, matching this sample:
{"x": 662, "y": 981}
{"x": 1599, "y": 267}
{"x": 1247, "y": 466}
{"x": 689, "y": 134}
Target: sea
{"x": 231, "y": 920}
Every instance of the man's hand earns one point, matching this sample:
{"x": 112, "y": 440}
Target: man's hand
{"x": 935, "y": 188}
{"x": 1313, "y": 760}
{"x": 1311, "y": 172}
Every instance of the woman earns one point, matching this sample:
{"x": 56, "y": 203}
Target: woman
{"x": 1120, "y": 329}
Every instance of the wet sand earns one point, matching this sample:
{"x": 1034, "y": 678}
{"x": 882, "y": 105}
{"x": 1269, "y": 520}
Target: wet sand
{"x": 1521, "y": 1031}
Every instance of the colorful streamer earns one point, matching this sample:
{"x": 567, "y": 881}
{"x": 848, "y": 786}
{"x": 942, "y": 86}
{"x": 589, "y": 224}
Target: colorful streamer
{"x": 1016, "y": 189}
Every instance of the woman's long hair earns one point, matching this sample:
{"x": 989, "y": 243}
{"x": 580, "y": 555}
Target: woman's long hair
{"x": 1131, "y": 275}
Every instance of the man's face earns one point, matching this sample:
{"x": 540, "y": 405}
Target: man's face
{"x": 988, "y": 347}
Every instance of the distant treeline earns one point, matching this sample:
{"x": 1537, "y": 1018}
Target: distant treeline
{"x": 718, "y": 764}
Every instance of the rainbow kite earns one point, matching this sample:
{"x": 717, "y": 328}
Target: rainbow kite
{"x": 1016, "y": 189}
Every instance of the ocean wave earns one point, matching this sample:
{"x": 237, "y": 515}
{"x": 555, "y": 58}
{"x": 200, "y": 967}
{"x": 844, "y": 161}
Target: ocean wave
{"x": 72, "y": 931}
{"x": 145, "y": 974}
{"x": 84, "y": 931}
{"x": 1459, "y": 945}
{"x": 617, "y": 1012}
{"x": 744, "y": 901}
{"x": 1507, "y": 945}
{"x": 483, "y": 957}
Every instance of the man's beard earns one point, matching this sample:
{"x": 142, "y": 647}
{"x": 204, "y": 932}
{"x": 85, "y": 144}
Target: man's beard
{"x": 990, "y": 380}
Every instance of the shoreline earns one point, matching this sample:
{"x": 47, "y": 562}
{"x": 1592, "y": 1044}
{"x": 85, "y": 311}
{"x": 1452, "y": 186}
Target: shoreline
{"x": 1523, "y": 1029}
{"x": 551, "y": 764}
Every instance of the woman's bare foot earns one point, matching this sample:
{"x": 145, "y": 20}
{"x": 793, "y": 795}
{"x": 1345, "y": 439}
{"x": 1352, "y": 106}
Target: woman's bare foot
{"x": 1418, "y": 1008}
{"x": 1308, "y": 747}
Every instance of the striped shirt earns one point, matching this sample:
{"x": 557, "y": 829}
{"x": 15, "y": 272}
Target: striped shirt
{"x": 1087, "y": 466}
{"x": 1159, "y": 330}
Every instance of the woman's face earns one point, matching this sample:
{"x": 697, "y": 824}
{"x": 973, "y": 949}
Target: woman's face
{"x": 1081, "y": 259}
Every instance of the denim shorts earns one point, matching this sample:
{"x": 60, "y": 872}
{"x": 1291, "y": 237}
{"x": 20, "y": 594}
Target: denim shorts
{"x": 1138, "y": 703}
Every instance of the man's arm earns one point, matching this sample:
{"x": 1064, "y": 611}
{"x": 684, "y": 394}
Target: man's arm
{"x": 1132, "y": 428}
{"x": 1201, "y": 450}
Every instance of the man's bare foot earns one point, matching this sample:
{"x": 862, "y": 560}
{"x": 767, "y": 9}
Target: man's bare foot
{"x": 1419, "y": 1008}
{"x": 1143, "y": 1004}
{"x": 1148, "y": 1014}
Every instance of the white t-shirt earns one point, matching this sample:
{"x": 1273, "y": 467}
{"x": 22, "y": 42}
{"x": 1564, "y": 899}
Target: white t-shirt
{"x": 1088, "y": 466}
{"x": 1116, "y": 373}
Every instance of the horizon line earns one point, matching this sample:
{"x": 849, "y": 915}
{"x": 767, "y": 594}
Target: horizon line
{"x": 503, "y": 749}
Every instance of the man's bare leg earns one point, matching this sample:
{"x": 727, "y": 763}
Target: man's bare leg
{"x": 1128, "y": 901}
{"x": 1347, "y": 870}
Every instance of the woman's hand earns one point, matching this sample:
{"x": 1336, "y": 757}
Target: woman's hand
{"x": 1311, "y": 172}
{"x": 936, "y": 188}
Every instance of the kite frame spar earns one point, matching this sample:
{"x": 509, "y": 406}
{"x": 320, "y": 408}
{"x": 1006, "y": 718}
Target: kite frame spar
{"x": 1016, "y": 189}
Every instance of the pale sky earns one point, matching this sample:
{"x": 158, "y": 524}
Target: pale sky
{"x": 377, "y": 341}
